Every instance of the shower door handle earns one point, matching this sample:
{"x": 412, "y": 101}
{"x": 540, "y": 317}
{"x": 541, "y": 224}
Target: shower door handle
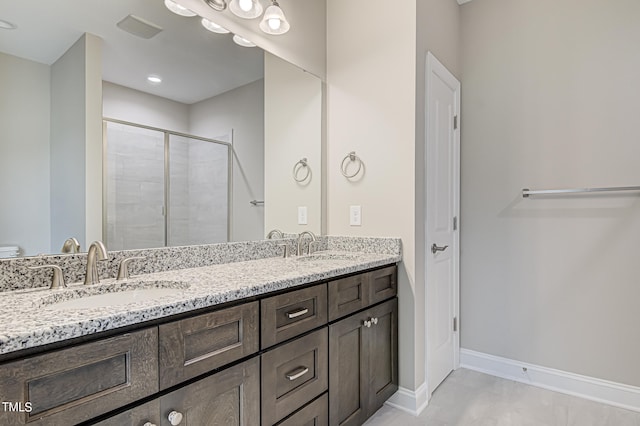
{"x": 435, "y": 248}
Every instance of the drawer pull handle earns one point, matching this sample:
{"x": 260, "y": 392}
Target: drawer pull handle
{"x": 297, "y": 314}
{"x": 297, "y": 374}
{"x": 175, "y": 418}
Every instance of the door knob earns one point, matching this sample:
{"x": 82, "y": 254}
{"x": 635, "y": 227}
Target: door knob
{"x": 435, "y": 248}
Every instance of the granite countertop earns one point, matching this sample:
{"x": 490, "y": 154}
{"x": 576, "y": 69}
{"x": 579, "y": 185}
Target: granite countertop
{"x": 30, "y": 319}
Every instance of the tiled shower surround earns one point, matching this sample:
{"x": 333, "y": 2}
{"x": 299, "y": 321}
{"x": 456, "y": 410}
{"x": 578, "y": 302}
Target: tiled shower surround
{"x": 16, "y": 275}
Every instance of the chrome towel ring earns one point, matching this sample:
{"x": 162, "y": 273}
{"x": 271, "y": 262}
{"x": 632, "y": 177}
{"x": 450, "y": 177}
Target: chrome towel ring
{"x": 352, "y": 157}
{"x": 301, "y": 165}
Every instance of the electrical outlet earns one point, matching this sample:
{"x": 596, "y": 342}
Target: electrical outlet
{"x": 302, "y": 215}
{"x": 355, "y": 215}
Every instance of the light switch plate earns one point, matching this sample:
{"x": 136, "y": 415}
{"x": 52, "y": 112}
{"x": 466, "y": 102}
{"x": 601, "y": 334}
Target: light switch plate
{"x": 302, "y": 215}
{"x": 355, "y": 215}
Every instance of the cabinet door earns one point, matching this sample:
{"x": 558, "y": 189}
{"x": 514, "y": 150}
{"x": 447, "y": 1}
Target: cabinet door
{"x": 195, "y": 346}
{"x": 228, "y": 398}
{"x": 383, "y": 350}
{"x": 81, "y": 382}
{"x": 348, "y": 371}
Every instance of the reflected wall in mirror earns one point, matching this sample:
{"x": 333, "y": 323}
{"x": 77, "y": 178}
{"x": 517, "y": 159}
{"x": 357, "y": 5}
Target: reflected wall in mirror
{"x": 68, "y": 65}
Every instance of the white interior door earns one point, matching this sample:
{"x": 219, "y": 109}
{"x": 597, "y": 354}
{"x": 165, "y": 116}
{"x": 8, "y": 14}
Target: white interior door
{"x": 442, "y": 212}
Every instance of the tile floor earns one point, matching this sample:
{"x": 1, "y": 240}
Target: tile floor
{"x": 469, "y": 398}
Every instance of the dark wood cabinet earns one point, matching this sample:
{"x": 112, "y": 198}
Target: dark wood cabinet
{"x": 321, "y": 355}
{"x": 363, "y": 363}
{"x": 228, "y": 398}
{"x": 72, "y": 385}
{"x": 351, "y": 294}
{"x": 195, "y": 346}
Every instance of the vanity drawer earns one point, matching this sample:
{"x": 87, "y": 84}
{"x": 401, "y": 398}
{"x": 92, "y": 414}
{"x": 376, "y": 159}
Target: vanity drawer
{"x": 290, "y": 314}
{"x": 294, "y": 374}
{"x": 314, "y": 414}
{"x": 76, "y": 384}
{"x": 137, "y": 416}
{"x": 351, "y": 294}
{"x": 383, "y": 284}
{"x": 194, "y": 346}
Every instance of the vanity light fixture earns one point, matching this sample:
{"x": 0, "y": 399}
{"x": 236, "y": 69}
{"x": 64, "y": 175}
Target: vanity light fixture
{"x": 154, "y": 79}
{"x": 274, "y": 22}
{"x": 218, "y": 5}
{"x": 178, "y": 9}
{"x": 247, "y": 9}
{"x": 213, "y": 27}
{"x": 241, "y": 41}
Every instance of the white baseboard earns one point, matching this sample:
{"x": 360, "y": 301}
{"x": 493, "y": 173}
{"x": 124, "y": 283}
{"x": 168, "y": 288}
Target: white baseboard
{"x": 412, "y": 402}
{"x": 616, "y": 394}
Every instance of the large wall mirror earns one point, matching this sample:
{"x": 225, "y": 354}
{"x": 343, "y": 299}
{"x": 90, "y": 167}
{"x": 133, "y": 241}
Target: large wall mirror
{"x": 237, "y": 120}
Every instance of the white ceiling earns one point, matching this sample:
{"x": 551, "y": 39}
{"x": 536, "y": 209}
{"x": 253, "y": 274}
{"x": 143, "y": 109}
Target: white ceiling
{"x": 194, "y": 63}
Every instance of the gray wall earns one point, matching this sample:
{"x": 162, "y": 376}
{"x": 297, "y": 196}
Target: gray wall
{"x": 24, "y": 154}
{"x": 550, "y": 100}
{"x": 239, "y": 110}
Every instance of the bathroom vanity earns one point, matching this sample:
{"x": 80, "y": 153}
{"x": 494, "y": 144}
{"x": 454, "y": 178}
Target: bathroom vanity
{"x": 309, "y": 340}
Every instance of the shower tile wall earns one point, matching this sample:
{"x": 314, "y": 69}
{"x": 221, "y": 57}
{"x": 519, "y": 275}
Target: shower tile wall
{"x": 135, "y": 188}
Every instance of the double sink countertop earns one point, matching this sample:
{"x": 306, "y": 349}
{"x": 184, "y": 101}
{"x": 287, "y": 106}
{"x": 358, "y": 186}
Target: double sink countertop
{"x": 35, "y": 317}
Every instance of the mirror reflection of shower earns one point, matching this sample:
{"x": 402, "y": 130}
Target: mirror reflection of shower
{"x": 164, "y": 188}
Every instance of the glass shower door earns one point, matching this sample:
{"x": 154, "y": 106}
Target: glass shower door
{"x": 198, "y": 191}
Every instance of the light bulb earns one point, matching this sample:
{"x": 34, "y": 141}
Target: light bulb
{"x": 274, "y": 23}
{"x": 245, "y": 5}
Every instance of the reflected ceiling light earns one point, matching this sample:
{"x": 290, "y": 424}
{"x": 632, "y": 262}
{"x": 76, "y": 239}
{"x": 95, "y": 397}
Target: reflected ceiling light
{"x": 247, "y": 9}
{"x": 154, "y": 79}
{"x": 178, "y": 9}
{"x": 218, "y": 5}
{"x": 213, "y": 27}
{"x": 274, "y": 22}
{"x": 241, "y": 41}
{"x": 6, "y": 25}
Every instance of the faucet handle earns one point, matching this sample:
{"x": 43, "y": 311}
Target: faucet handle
{"x": 57, "y": 281}
{"x": 123, "y": 269}
{"x": 311, "y": 245}
{"x": 287, "y": 250}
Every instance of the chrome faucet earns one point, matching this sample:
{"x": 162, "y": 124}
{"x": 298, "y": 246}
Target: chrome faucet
{"x": 275, "y": 233}
{"x": 300, "y": 237}
{"x": 97, "y": 251}
{"x": 71, "y": 245}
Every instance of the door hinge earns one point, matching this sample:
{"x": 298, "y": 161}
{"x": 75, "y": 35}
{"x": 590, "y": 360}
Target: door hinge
{"x": 455, "y": 324}
{"x": 455, "y": 122}
{"x": 455, "y": 223}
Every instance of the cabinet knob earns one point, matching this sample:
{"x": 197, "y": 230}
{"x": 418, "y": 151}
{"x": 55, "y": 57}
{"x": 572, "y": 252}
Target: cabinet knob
{"x": 175, "y": 418}
{"x": 374, "y": 320}
{"x": 367, "y": 323}
{"x": 149, "y": 424}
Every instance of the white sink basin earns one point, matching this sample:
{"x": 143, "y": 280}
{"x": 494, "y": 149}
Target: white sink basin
{"x": 111, "y": 294}
{"x": 115, "y": 299}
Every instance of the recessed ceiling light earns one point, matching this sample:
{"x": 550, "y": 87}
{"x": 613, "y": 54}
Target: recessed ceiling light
{"x": 213, "y": 27}
{"x": 178, "y": 9}
{"x": 6, "y": 25}
{"x": 154, "y": 79}
{"x": 241, "y": 41}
